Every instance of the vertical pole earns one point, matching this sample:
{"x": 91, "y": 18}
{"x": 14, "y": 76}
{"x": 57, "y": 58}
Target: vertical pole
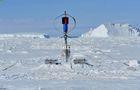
{"x": 65, "y": 29}
{"x": 65, "y": 13}
{"x": 66, "y": 43}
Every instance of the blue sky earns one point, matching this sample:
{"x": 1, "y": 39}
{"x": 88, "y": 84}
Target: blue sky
{"x": 37, "y": 15}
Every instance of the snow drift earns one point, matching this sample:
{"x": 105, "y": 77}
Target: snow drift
{"x": 113, "y": 30}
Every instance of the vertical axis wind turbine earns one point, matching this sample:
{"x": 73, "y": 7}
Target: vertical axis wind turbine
{"x": 66, "y": 29}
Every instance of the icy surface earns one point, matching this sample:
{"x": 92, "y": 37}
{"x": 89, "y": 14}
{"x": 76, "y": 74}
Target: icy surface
{"x": 37, "y": 35}
{"x": 115, "y": 64}
{"x": 113, "y": 30}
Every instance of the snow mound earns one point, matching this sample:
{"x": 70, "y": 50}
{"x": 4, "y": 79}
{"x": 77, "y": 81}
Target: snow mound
{"x": 113, "y": 30}
{"x": 133, "y": 63}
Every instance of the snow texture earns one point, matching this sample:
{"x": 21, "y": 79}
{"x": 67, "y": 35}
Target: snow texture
{"x": 24, "y": 36}
{"x": 114, "y": 64}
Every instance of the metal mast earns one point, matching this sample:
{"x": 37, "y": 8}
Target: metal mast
{"x": 65, "y": 22}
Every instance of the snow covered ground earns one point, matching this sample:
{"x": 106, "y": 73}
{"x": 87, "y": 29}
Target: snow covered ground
{"x": 115, "y": 63}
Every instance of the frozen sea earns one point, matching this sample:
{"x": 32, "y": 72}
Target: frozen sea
{"x": 115, "y": 64}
